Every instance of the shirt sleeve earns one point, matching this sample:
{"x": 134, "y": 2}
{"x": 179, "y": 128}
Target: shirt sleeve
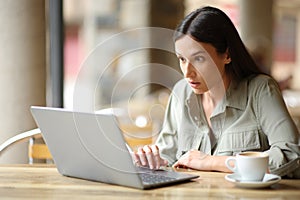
{"x": 167, "y": 139}
{"x": 282, "y": 133}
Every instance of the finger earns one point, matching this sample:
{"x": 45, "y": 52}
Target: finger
{"x": 179, "y": 165}
{"x": 149, "y": 156}
{"x": 142, "y": 156}
{"x": 163, "y": 162}
{"x": 176, "y": 165}
{"x": 136, "y": 159}
{"x": 158, "y": 160}
{"x": 156, "y": 157}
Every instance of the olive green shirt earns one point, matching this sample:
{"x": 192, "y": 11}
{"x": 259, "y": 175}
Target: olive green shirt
{"x": 251, "y": 117}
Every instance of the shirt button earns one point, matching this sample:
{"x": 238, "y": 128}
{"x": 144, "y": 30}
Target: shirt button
{"x": 196, "y": 118}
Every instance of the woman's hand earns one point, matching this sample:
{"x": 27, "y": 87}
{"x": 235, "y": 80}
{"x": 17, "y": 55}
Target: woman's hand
{"x": 194, "y": 159}
{"x": 198, "y": 160}
{"x": 148, "y": 156}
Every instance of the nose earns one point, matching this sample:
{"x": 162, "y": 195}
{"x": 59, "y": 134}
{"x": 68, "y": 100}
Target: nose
{"x": 188, "y": 70}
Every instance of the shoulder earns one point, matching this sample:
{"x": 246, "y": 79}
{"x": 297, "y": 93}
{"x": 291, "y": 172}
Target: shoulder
{"x": 180, "y": 84}
{"x": 180, "y": 92}
{"x": 263, "y": 82}
{"x": 262, "y": 79}
{"x": 262, "y": 86}
{"x": 182, "y": 88}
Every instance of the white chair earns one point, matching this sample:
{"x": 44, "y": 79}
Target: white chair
{"x": 35, "y": 151}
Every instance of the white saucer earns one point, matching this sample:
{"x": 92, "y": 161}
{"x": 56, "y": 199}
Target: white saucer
{"x": 269, "y": 179}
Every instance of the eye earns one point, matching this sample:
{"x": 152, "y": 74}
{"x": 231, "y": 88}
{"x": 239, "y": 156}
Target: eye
{"x": 200, "y": 59}
{"x": 181, "y": 59}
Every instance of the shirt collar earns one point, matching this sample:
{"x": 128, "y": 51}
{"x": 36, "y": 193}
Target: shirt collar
{"x": 237, "y": 95}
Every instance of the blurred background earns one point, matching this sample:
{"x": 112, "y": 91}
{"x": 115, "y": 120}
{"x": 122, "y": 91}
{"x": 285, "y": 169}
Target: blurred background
{"x": 48, "y": 45}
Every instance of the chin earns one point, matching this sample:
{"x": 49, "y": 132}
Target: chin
{"x": 198, "y": 91}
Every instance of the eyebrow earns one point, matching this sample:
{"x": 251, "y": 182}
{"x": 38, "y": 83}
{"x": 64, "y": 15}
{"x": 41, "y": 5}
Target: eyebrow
{"x": 198, "y": 52}
{"x": 193, "y": 54}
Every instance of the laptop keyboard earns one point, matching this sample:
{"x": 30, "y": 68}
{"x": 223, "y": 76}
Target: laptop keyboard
{"x": 155, "y": 179}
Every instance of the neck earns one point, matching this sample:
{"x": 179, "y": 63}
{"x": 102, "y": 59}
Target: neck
{"x": 217, "y": 93}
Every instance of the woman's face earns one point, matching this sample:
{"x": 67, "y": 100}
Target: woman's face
{"x": 200, "y": 63}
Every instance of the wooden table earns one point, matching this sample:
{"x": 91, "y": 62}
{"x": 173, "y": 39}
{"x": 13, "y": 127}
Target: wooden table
{"x": 44, "y": 182}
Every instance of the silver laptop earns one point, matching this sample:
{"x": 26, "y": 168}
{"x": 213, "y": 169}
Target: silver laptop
{"x": 91, "y": 146}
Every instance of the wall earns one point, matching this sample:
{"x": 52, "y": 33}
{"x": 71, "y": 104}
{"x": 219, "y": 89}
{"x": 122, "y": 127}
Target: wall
{"x": 22, "y": 70}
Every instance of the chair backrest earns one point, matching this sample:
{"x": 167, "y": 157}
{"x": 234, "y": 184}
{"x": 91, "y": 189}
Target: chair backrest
{"x": 36, "y": 151}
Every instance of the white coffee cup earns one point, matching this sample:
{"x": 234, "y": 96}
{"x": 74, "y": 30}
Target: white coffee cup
{"x": 250, "y": 166}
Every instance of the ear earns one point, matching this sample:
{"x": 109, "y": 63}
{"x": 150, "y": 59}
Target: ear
{"x": 227, "y": 59}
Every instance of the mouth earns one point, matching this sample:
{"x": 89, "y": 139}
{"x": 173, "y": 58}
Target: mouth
{"x": 194, "y": 84}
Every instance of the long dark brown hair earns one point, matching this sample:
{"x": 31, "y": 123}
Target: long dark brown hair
{"x": 213, "y": 26}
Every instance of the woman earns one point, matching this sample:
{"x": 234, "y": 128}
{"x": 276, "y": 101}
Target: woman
{"x": 225, "y": 104}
